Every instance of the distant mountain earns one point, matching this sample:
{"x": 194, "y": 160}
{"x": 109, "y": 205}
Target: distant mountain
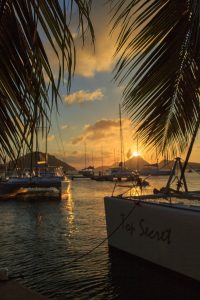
{"x": 170, "y": 163}
{"x": 25, "y": 161}
{"x": 132, "y": 163}
{"x": 163, "y": 164}
{"x": 136, "y": 162}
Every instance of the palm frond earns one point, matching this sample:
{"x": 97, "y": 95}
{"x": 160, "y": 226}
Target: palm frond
{"x": 159, "y": 64}
{"x": 25, "y": 70}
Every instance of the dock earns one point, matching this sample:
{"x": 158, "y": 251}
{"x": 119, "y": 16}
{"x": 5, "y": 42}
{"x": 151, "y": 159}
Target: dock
{"x": 72, "y": 177}
{"x": 12, "y": 290}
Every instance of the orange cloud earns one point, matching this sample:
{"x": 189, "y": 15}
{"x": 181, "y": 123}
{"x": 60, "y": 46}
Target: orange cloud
{"x": 100, "y": 140}
{"x": 102, "y": 130}
{"x": 77, "y": 140}
{"x": 51, "y": 138}
{"x": 91, "y": 59}
{"x": 90, "y": 62}
{"x": 102, "y": 125}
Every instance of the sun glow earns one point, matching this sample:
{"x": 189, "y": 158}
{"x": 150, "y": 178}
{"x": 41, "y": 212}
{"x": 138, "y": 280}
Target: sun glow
{"x": 135, "y": 154}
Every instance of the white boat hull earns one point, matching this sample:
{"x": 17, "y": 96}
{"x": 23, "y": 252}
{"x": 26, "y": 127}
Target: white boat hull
{"x": 164, "y": 235}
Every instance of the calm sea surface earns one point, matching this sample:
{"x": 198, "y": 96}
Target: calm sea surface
{"x": 41, "y": 243}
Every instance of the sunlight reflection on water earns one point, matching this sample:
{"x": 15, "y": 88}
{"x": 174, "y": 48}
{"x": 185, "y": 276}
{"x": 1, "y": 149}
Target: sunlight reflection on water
{"x": 39, "y": 240}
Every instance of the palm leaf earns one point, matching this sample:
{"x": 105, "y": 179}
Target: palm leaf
{"x": 26, "y": 73}
{"x": 158, "y": 48}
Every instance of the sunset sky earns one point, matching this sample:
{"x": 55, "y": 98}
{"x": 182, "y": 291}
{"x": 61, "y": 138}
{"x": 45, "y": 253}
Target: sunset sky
{"x": 89, "y": 117}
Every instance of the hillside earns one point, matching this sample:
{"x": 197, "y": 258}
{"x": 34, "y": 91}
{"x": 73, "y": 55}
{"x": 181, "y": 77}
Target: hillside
{"x": 132, "y": 163}
{"x": 136, "y": 162}
{"x": 25, "y": 161}
{"x": 192, "y": 165}
{"x": 139, "y": 163}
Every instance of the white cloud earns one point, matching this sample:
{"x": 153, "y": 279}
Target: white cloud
{"x": 83, "y": 96}
{"x": 64, "y": 126}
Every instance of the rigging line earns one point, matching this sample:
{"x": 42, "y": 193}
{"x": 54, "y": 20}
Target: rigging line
{"x": 165, "y": 165}
{"x": 57, "y": 142}
{"x": 60, "y": 134}
{"x": 134, "y": 185}
{"x": 121, "y": 139}
{"x": 150, "y": 175}
{"x": 105, "y": 239}
{"x": 194, "y": 169}
{"x": 60, "y": 145}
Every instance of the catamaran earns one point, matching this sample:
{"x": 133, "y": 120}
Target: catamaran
{"x": 162, "y": 227}
{"x": 43, "y": 179}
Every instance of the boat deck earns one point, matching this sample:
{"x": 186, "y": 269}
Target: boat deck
{"x": 187, "y": 201}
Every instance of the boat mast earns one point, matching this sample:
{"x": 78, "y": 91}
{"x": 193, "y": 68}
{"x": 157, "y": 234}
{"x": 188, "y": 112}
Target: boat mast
{"x": 46, "y": 137}
{"x": 92, "y": 159}
{"x": 115, "y": 163}
{"x": 37, "y": 149}
{"x": 31, "y": 148}
{"x": 157, "y": 157}
{"x": 121, "y": 139}
{"x": 137, "y": 162}
{"x": 85, "y": 155}
{"x": 102, "y": 160}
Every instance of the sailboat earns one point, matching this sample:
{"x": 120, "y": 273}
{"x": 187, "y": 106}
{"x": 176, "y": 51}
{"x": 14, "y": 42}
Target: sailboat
{"x": 162, "y": 227}
{"x": 121, "y": 172}
{"x": 87, "y": 171}
{"x": 154, "y": 170}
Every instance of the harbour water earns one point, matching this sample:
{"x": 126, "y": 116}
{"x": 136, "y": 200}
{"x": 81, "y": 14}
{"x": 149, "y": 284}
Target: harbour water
{"x": 49, "y": 247}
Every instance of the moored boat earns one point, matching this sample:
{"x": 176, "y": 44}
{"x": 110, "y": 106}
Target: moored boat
{"x": 120, "y": 174}
{"x": 155, "y": 230}
{"x": 155, "y": 172}
{"x": 162, "y": 228}
{"x": 87, "y": 172}
{"x": 41, "y": 180}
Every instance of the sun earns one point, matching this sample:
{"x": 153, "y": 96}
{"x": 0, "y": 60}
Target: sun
{"x": 135, "y": 154}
